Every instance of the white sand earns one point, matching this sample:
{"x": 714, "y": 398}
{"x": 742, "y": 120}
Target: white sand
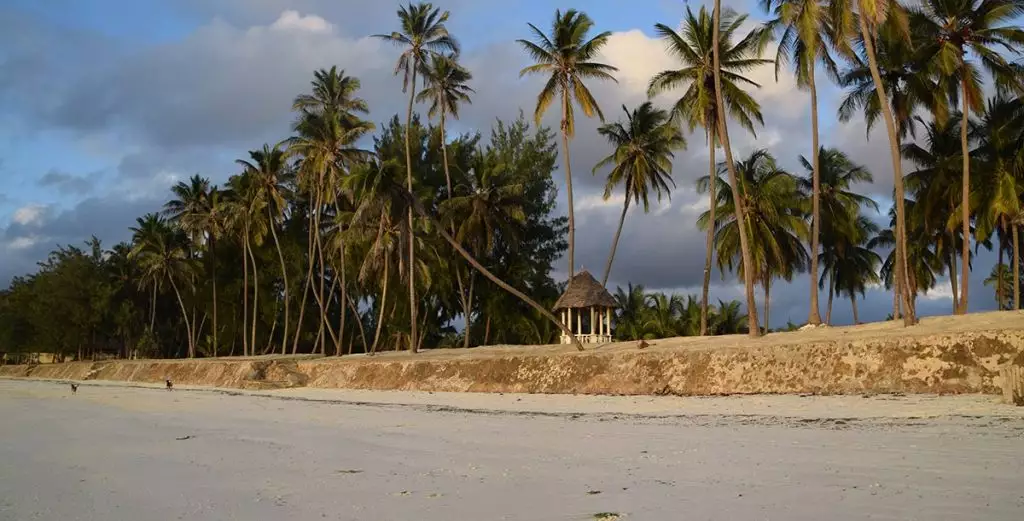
{"x": 110, "y": 453}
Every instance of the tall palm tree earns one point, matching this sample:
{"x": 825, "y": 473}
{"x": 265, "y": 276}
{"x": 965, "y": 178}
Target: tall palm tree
{"x": 839, "y": 205}
{"x": 269, "y": 169}
{"x": 328, "y": 127}
{"x": 567, "y": 57}
{"x": 641, "y": 162}
{"x": 445, "y": 89}
{"x": 849, "y": 264}
{"x": 423, "y": 33}
{"x": 1001, "y": 281}
{"x": 191, "y": 211}
{"x": 245, "y": 213}
{"x": 147, "y": 232}
{"x": 952, "y": 32}
{"x": 775, "y": 211}
{"x": 846, "y": 16}
{"x": 693, "y": 47}
{"x": 803, "y": 30}
{"x": 738, "y": 208}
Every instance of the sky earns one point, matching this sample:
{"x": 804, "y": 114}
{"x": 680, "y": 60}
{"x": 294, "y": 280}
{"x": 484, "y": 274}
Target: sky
{"x": 105, "y": 104}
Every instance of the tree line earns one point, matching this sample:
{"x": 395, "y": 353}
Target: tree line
{"x": 319, "y": 244}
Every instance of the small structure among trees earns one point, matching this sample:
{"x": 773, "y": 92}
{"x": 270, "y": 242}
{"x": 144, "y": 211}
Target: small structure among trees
{"x": 586, "y": 304}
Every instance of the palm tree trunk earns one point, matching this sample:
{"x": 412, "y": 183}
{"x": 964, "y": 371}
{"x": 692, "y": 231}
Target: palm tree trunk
{"x": 831, "y": 292}
{"x": 255, "y": 299}
{"x": 909, "y": 316}
{"x": 853, "y": 302}
{"x": 245, "y": 292}
{"x": 467, "y": 309}
{"x": 383, "y": 300}
{"x": 568, "y": 183}
{"x": 813, "y": 316}
{"x": 953, "y": 283}
{"x": 723, "y": 131}
{"x": 184, "y": 316}
{"x": 615, "y": 241}
{"x": 965, "y": 201}
{"x": 999, "y": 278}
{"x": 322, "y": 297}
{"x": 412, "y": 229}
{"x": 284, "y": 278}
{"x": 486, "y": 273}
{"x": 152, "y": 309}
{"x": 710, "y": 242}
{"x": 1016, "y": 268}
{"x": 359, "y": 322}
{"x": 344, "y": 298}
{"x": 487, "y": 330}
{"x": 767, "y": 301}
{"x": 305, "y": 291}
{"x": 213, "y": 277}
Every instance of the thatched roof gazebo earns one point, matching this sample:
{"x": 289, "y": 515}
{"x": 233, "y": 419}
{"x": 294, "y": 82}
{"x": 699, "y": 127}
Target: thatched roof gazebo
{"x": 584, "y": 293}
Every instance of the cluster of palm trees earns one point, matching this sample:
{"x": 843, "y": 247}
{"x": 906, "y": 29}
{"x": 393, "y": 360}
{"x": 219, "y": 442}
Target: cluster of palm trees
{"x": 910, "y": 65}
{"x": 650, "y": 315}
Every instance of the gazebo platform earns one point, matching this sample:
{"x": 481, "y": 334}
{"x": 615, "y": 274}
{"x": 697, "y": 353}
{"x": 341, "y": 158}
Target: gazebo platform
{"x": 586, "y": 306}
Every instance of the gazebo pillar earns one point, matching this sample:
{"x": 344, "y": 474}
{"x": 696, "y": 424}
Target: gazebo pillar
{"x": 593, "y": 325}
{"x": 579, "y": 323}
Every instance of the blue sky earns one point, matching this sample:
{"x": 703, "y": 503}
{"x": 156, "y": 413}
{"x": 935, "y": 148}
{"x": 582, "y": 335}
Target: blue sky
{"x": 105, "y": 104}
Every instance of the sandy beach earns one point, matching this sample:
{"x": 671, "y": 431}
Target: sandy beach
{"x": 115, "y": 452}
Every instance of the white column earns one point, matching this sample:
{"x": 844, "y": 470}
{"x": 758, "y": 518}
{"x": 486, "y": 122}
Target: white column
{"x": 579, "y": 322}
{"x": 608, "y": 317}
{"x": 593, "y": 320}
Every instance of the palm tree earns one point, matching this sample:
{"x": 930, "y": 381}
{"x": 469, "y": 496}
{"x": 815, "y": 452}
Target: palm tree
{"x": 489, "y": 207}
{"x": 423, "y": 34}
{"x": 630, "y": 306}
{"x": 146, "y": 233}
{"x": 870, "y": 15}
{"x": 328, "y": 127}
{"x": 775, "y": 211}
{"x": 269, "y": 169}
{"x": 1001, "y": 281}
{"x": 191, "y": 210}
{"x": 245, "y": 213}
{"x": 567, "y": 57}
{"x": 729, "y": 318}
{"x": 738, "y": 208}
{"x": 162, "y": 254}
{"x": 839, "y": 205}
{"x": 952, "y": 31}
{"x": 803, "y": 31}
{"x": 849, "y": 264}
{"x": 445, "y": 89}
{"x": 642, "y": 161}
{"x": 693, "y": 47}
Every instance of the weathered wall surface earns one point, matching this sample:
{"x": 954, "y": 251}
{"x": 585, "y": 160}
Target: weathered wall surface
{"x": 836, "y": 362}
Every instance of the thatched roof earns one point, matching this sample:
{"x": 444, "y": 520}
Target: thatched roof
{"x": 583, "y": 291}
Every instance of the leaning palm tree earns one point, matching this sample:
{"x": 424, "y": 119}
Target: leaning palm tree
{"x": 641, "y": 162}
{"x": 269, "y": 169}
{"x": 145, "y": 234}
{"x": 693, "y": 47}
{"x": 723, "y": 134}
{"x": 423, "y": 34}
{"x": 952, "y": 31}
{"x": 567, "y": 57}
{"x": 869, "y": 16}
{"x": 803, "y": 30}
{"x": 246, "y": 218}
{"x": 192, "y": 211}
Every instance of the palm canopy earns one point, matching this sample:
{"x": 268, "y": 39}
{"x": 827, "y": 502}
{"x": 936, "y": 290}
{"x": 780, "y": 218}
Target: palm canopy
{"x": 567, "y": 57}
{"x": 840, "y": 205}
{"x": 190, "y": 207}
{"x": 423, "y": 33}
{"x": 907, "y": 83}
{"x": 775, "y": 212}
{"x": 269, "y": 168}
{"x": 446, "y": 86}
{"x": 850, "y": 264}
{"x": 1000, "y": 137}
{"x": 642, "y": 160}
{"x": 935, "y": 183}
{"x": 488, "y": 204}
{"x": 692, "y": 46}
{"x": 333, "y": 92}
{"x": 804, "y": 31}
{"x": 953, "y": 32}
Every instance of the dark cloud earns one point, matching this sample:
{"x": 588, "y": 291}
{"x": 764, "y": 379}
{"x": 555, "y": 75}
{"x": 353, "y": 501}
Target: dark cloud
{"x": 69, "y": 184}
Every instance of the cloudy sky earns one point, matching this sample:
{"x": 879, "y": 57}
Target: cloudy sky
{"x": 104, "y": 104}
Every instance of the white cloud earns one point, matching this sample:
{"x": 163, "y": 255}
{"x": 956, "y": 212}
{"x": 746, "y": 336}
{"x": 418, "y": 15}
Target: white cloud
{"x": 22, "y": 243}
{"x": 29, "y": 215}
{"x": 292, "y": 20}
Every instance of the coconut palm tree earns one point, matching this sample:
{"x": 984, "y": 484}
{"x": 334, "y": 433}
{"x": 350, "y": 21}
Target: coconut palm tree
{"x": 445, "y": 90}
{"x": 850, "y": 266}
{"x": 1001, "y": 281}
{"x": 423, "y": 34}
{"x": 957, "y": 37}
{"x": 162, "y": 254}
{"x": 775, "y": 212}
{"x": 146, "y": 233}
{"x": 839, "y": 206}
{"x": 328, "y": 127}
{"x": 269, "y": 169}
{"x": 728, "y": 319}
{"x": 630, "y": 305}
{"x": 723, "y": 134}
{"x": 846, "y": 17}
{"x": 803, "y": 36}
{"x": 641, "y": 162}
{"x": 567, "y": 58}
{"x": 193, "y": 212}
{"x": 920, "y": 254}
{"x": 693, "y": 47}
{"x": 245, "y": 210}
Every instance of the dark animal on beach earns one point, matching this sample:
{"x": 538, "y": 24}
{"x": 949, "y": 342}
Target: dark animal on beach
{"x": 74, "y": 388}
{"x": 169, "y": 385}
{"x": 641, "y": 344}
